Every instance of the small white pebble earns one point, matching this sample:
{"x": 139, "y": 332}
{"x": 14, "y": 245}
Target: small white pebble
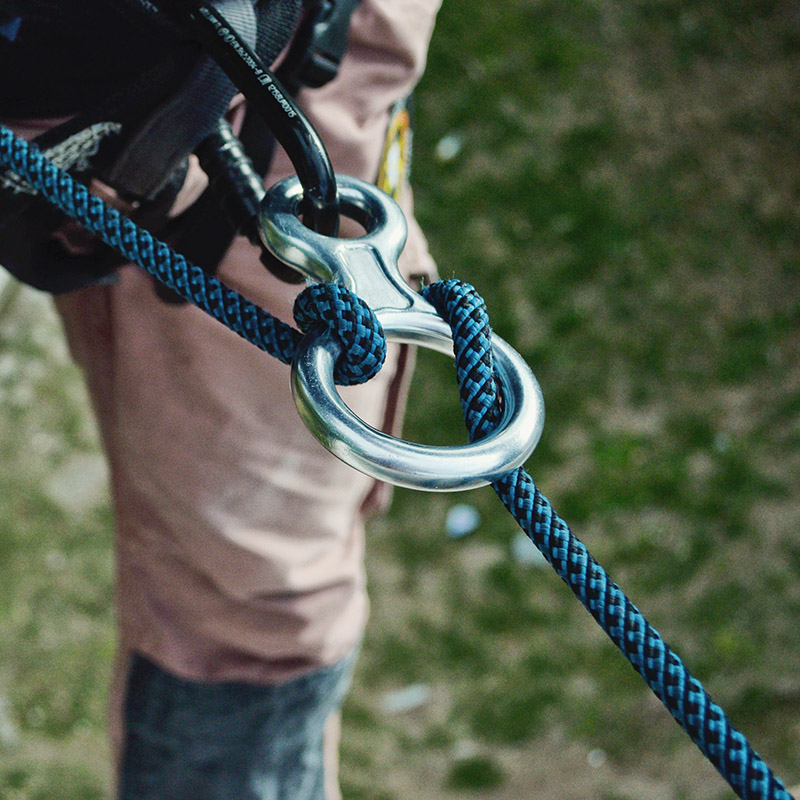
{"x": 406, "y": 699}
{"x": 461, "y": 520}
{"x": 448, "y": 147}
{"x": 596, "y": 758}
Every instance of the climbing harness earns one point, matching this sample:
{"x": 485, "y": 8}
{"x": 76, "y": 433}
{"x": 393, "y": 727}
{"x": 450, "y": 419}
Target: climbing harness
{"x": 138, "y": 138}
{"x": 344, "y": 343}
{"x": 288, "y": 123}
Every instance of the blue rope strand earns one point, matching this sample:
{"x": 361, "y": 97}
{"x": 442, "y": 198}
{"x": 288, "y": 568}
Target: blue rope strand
{"x": 685, "y": 698}
{"x": 662, "y": 670}
{"x": 343, "y": 312}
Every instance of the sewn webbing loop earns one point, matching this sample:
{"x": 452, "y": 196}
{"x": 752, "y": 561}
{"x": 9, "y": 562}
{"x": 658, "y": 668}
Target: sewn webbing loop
{"x": 183, "y": 121}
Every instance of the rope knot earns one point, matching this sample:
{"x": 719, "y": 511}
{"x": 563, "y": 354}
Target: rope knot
{"x": 354, "y": 324}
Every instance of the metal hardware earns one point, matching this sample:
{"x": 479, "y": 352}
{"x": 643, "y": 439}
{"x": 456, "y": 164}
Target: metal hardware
{"x": 367, "y": 265}
{"x": 265, "y": 94}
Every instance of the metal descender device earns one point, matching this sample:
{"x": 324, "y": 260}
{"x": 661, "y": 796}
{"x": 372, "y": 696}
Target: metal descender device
{"x": 367, "y": 265}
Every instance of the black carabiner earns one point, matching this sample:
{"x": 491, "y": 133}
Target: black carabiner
{"x": 292, "y": 129}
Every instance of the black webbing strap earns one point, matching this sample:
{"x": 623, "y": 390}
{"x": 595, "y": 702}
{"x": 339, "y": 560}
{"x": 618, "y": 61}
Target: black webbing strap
{"x": 319, "y": 44}
{"x": 205, "y": 231}
{"x": 150, "y": 128}
{"x": 175, "y": 129}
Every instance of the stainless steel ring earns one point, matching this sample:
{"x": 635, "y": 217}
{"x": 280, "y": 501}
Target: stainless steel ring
{"x": 367, "y": 265}
{"x": 403, "y": 463}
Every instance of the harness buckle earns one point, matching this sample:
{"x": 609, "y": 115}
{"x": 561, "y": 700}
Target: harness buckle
{"x": 367, "y": 265}
{"x": 328, "y": 23}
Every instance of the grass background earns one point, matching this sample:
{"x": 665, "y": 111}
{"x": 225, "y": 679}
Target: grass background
{"x": 620, "y": 181}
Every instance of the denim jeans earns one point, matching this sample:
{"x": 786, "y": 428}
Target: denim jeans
{"x": 227, "y": 741}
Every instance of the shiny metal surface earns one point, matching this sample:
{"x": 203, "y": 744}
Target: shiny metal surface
{"x": 368, "y": 266}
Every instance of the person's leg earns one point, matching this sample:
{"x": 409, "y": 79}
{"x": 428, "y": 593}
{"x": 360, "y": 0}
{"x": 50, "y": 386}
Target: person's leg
{"x": 229, "y": 741}
{"x": 239, "y": 543}
{"x": 330, "y": 755}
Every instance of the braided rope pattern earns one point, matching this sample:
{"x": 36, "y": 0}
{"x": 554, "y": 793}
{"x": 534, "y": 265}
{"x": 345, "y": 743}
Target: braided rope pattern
{"x": 662, "y": 670}
{"x": 192, "y": 283}
{"x": 472, "y": 347}
{"x": 351, "y": 320}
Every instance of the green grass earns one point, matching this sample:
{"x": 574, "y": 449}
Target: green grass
{"x": 56, "y": 596}
{"x": 626, "y": 200}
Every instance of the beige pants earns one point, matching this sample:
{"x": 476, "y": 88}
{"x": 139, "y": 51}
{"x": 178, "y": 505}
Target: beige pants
{"x": 239, "y": 538}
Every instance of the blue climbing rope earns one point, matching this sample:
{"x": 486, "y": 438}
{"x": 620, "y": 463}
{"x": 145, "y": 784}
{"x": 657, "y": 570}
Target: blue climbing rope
{"x": 663, "y": 671}
{"x": 363, "y": 351}
{"x": 361, "y": 335}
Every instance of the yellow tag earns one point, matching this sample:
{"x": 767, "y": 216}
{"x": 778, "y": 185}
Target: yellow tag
{"x": 396, "y": 156}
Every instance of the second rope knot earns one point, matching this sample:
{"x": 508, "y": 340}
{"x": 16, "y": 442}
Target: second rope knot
{"x": 352, "y": 321}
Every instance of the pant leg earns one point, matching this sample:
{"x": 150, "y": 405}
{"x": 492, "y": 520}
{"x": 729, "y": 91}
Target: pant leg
{"x": 228, "y": 741}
